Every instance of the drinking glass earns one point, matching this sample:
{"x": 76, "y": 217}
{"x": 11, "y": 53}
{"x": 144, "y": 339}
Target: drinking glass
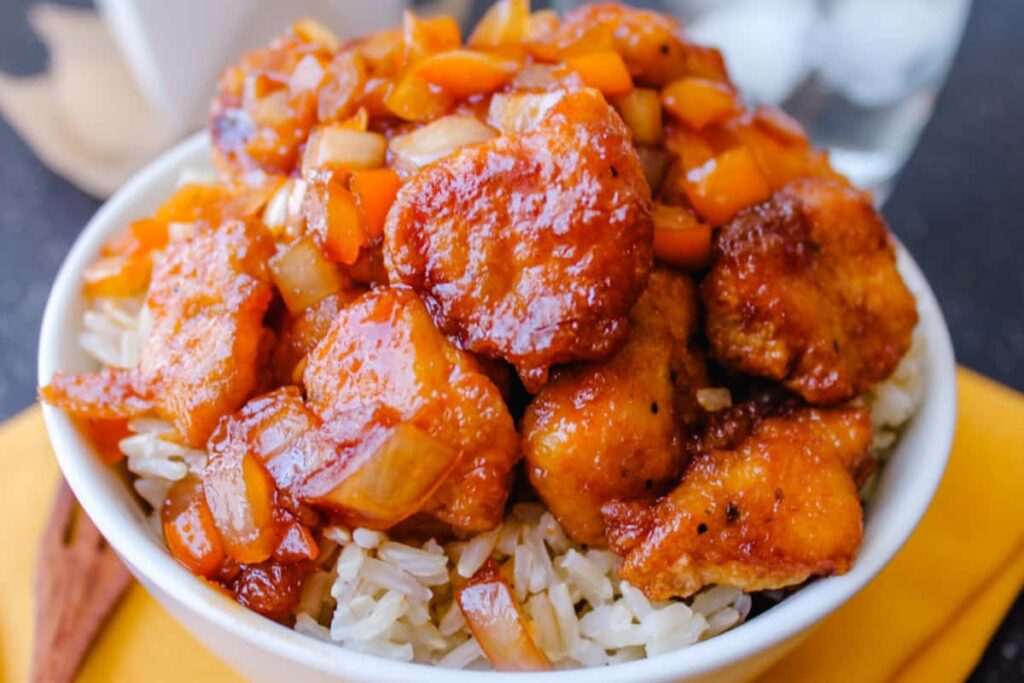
{"x": 861, "y": 76}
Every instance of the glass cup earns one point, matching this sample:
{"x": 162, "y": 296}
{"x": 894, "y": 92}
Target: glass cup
{"x": 860, "y": 75}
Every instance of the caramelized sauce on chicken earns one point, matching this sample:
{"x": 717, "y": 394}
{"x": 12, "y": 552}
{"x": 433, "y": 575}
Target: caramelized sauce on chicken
{"x": 416, "y": 239}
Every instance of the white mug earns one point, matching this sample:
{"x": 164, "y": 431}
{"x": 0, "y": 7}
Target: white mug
{"x": 177, "y": 49}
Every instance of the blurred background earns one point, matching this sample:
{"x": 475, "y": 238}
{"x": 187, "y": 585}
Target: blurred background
{"x": 865, "y": 77}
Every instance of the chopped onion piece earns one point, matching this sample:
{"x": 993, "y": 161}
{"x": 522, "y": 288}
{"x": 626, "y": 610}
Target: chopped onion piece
{"x": 338, "y": 145}
{"x": 303, "y": 275}
{"x": 240, "y": 494}
{"x": 714, "y": 398}
{"x": 497, "y": 623}
{"x": 275, "y": 214}
{"x": 273, "y": 109}
{"x": 522, "y": 112}
{"x": 437, "y": 140}
{"x": 393, "y": 482}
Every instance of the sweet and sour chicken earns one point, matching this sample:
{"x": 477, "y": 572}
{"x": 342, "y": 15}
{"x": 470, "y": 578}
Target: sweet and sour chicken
{"x": 616, "y": 429}
{"x": 415, "y": 237}
{"x": 768, "y": 499}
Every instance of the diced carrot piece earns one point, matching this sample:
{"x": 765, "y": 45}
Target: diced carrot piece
{"x": 334, "y": 218}
{"x": 125, "y": 265}
{"x": 505, "y": 23}
{"x": 641, "y": 111}
{"x": 596, "y": 38}
{"x": 464, "y": 73}
{"x": 213, "y": 203}
{"x": 726, "y": 184}
{"x": 312, "y": 31}
{"x": 142, "y": 236}
{"x": 497, "y": 623}
{"x": 375, "y": 190}
{"x": 189, "y": 528}
{"x": 117, "y": 276}
{"x": 359, "y": 121}
{"x": 106, "y": 435}
{"x": 541, "y": 28}
{"x": 679, "y": 238}
{"x": 339, "y": 95}
{"x": 346, "y": 228}
{"x": 304, "y": 276}
{"x": 780, "y": 124}
{"x": 781, "y": 150}
{"x": 424, "y": 37}
{"x": 603, "y": 70}
{"x": 416, "y": 99}
{"x": 380, "y": 50}
{"x": 698, "y": 102}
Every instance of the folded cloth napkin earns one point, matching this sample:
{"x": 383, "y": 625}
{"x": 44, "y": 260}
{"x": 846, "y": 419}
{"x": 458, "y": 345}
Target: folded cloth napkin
{"x": 926, "y": 617}
{"x": 86, "y": 117}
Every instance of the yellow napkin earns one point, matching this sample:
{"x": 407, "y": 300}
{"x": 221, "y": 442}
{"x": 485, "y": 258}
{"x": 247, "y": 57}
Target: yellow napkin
{"x": 927, "y": 617}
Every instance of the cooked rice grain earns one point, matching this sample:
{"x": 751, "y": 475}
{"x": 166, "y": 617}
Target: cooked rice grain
{"x": 381, "y": 596}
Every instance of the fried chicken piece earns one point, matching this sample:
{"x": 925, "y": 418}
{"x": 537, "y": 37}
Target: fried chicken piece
{"x": 384, "y": 350}
{"x": 207, "y": 299}
{"x": 651, "y": 44}
{"x": 804, "y": 289}
{"x": 614, "y": 429}
{"x": 533, "y": 246}
{"x": 765, "y": 503}
{"x": 300, "y": 332}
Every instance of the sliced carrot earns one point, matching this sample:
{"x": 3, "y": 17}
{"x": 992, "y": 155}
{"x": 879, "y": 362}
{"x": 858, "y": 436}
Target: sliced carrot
{"x": 375, "y": 190}
{"x": 698, "y": 102}
{"x": 416, "y": 99}
{"x": 603, "y": 70}
{"x": 463, "y": 73}
{"x": 726, "y": 184}
{"x": 679, "y": 238}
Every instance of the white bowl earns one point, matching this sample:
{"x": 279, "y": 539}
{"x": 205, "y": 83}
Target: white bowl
{"x": 264, "y": 650}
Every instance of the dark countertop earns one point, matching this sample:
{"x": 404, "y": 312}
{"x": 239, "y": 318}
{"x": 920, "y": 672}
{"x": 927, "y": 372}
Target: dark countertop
{"x": 957, "y": 207}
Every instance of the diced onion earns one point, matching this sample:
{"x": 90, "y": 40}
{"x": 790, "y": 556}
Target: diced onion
{"x": 273, "y": 109}
{"x": 275, "y": 213}
{"x": 240, "y": 495}
{"x": 308, "y": 75}
{"x": 303, "y": 275}
{"x": 341, "y": 146}
{"x": 494, "y": 617}
{"x": 394, "y": 481}
{"x": 712, "y": 399}
{"x": 437, "y": 140}
{"x": 521, "y": 113}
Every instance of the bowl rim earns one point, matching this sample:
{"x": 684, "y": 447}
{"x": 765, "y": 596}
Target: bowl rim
{"x": 94, "y": 484}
